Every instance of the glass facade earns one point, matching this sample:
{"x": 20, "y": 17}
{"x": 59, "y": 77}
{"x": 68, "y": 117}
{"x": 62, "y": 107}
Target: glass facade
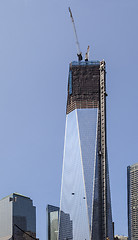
{"x": 52, "y": 222}
{"x": 87, "y": 126}
{"x": 85, "y": 204}
{"x": 17, "y": 217}
{"x": 78, "y": 172}
{"x": 53, "y": 225}
{"x": 132, "y": 190}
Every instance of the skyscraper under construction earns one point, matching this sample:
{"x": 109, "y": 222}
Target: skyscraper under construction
{"x": 85, "y": 204}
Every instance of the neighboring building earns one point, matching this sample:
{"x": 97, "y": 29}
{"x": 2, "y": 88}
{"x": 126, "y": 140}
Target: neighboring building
{"x": 17, "y": 218}
{"x": 132, "y": 190}
{"x": 53, "y": 224}
{"x": 66, "y": 231}
{"x": 85, "y": 190}
{"x": 118, "y": 237}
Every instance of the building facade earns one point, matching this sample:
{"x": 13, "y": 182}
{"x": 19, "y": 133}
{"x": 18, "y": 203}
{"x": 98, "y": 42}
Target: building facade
{"x": 132, "y": 187}
{"x": 52, "y": 222}
{"x": 85, "y": 190}
{"x": 17, "y": 218}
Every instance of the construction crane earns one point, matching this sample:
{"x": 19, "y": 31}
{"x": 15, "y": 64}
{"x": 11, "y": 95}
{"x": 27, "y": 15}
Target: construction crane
{"x": 79, "y": 54}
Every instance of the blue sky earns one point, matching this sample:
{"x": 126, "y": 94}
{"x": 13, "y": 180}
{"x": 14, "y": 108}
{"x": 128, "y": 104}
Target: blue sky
{"x": 36, "y": 45}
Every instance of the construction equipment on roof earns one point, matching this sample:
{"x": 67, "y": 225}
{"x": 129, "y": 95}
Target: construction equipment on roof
{"x": 79, "y": 54}
{"x": 87, "y": 54}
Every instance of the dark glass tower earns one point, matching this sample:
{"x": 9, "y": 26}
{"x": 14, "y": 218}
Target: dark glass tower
{"x": 85, "y": 190}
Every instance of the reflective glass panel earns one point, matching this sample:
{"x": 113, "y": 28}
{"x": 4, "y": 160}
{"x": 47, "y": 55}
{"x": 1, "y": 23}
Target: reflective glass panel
{"x": 87, "y": 122}
{"x": 73, "y": 196}
{"x": 54, "y": 225}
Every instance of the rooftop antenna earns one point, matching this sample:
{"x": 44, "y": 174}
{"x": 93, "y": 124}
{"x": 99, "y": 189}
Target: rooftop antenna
{"x": 79, "y": 54}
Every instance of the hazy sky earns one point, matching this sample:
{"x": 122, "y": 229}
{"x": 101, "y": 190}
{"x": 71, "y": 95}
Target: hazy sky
{"x": 36, "y": 45}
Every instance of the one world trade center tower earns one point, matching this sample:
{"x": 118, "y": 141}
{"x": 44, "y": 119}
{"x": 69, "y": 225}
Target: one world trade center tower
{"x": 85, "y": 204}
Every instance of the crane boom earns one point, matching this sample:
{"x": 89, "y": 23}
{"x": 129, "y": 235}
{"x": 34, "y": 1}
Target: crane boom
{"x": 79, "y": 54}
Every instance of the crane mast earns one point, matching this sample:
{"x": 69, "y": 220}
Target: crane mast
{"x": 87, "y": 54}
{"x": 79, "y": 54}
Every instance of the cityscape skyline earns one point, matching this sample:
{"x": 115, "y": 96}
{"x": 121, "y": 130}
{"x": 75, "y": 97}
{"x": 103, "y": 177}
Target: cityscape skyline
{"x": 32, "y": 130}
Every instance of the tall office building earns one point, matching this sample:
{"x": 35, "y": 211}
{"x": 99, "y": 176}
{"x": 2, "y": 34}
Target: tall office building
{"x": 17, "y": 218}
{"x": 132, "y": 187}
{"x": 85, "y": 190}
